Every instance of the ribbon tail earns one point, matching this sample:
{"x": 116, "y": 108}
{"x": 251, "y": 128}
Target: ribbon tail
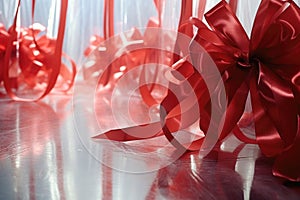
{"x": 140, "y": 132}
{"x": 287, "y": 164}
{"x": 267, "y": 136}
{"x": 235, "y": 109}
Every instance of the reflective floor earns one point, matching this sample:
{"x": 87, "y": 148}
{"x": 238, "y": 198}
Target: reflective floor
{"x": 46, "y": 152}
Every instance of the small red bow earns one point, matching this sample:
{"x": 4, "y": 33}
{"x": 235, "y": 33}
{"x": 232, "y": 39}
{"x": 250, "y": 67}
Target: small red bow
{"x": 32, "y": 61}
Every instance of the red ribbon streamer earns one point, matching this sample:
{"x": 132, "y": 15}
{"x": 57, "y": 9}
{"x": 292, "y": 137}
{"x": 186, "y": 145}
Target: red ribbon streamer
{"x": 3, "y": 43}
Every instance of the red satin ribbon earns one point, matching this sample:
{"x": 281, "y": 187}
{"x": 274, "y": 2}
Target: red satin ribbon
{"x": 3, "y": 43}
{"x": 266, "y": 65}
{"x": 39, "y": 58}
{"x": 152, "y": 56}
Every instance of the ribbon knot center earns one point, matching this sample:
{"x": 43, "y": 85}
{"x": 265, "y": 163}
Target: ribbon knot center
{"x": 246, "y": 62}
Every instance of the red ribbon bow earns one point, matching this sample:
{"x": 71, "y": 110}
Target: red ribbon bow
{"x": 38, "y": 59}
{"x": 267, "y": 66}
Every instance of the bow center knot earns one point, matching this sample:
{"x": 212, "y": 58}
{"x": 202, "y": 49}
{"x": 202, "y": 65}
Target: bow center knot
{"x": 245, "y": 61}
{"x": 242, "y": 63}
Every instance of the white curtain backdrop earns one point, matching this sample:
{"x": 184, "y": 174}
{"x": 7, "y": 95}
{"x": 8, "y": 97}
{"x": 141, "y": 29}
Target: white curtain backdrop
{"x": 85, "y": 17}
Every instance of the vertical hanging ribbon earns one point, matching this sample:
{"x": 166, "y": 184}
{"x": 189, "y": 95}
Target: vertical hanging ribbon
{"x": 3, "y": 44}
{"x": 233, "y": 5}
{"x": 201, "y": 9}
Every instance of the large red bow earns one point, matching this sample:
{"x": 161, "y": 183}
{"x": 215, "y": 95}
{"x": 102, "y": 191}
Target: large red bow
{"x": 267, "y": 66}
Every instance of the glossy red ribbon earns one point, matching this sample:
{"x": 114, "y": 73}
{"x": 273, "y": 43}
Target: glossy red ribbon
{"x": 39, "y": 58}
{"x": 266, "y": 65}
{"x": 3, "y": 43}
{"x": 143, "y": 56}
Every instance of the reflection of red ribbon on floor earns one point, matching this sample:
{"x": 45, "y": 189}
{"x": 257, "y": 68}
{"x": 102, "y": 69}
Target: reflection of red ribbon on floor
{"x": 37, "y": 57}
